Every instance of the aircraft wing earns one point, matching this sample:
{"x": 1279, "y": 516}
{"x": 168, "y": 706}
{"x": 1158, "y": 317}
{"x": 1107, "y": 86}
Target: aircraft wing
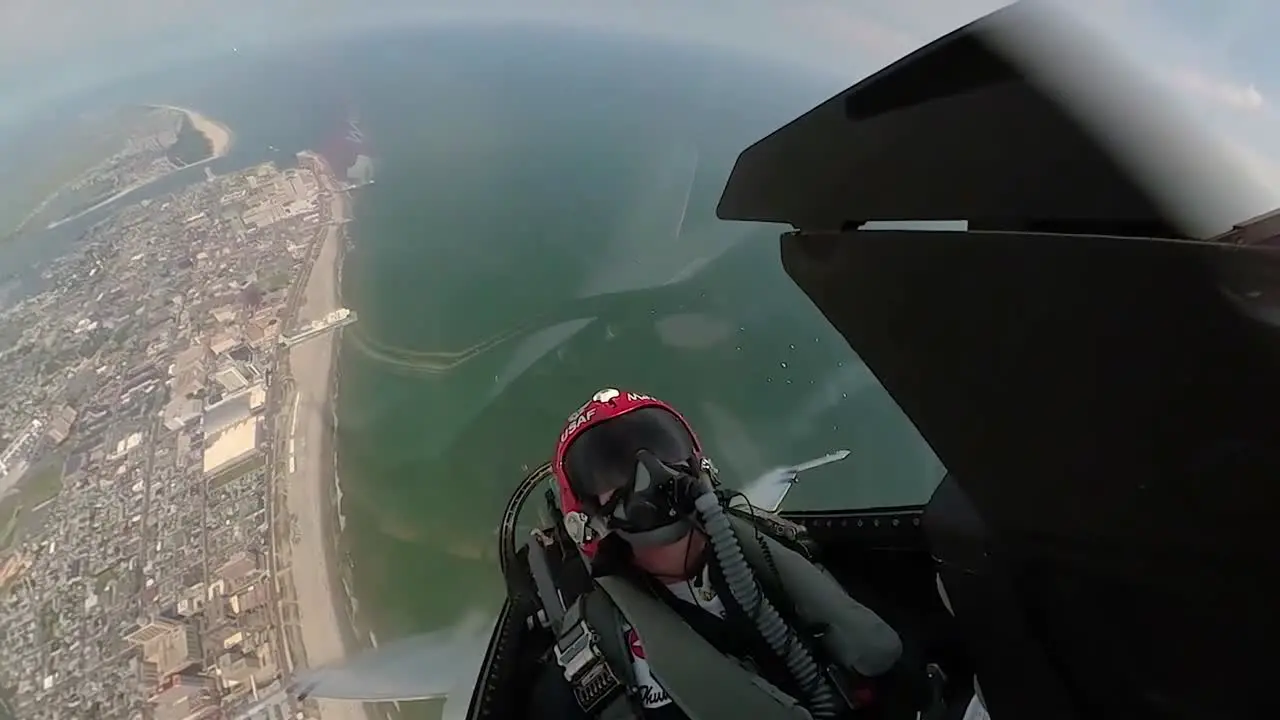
{"x": 419, "y": 667}
{"x": 769, "y": 490}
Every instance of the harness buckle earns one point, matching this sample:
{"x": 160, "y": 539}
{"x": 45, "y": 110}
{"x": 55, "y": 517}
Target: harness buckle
{"x": 593, "y": 681}
{"x": 576, "y": 650}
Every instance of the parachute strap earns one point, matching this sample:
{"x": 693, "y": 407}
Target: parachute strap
{"x": 590, "y": 650}
{"x": 589, "y": 646}
{"x": 703, "y": 682}
{"x": 602, "y": 617}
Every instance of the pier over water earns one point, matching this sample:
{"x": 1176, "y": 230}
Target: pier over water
{"x": 334, "y": 320}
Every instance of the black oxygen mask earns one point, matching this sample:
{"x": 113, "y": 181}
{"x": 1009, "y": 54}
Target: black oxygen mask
{"x": 655, "y": 507}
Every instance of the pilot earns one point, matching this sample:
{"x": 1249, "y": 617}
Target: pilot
{"x": 630, "y": 472}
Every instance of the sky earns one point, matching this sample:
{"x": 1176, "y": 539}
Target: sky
{"x": 1214, "y": 56}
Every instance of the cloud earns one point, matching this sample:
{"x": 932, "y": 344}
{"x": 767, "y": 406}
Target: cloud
{"x": 1230, "y": 94}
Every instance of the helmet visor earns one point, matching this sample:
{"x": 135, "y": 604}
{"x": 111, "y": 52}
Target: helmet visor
{"x": 603, "y": 459}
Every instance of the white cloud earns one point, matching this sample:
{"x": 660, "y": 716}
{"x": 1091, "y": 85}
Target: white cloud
{"x": 1230, "y": 94}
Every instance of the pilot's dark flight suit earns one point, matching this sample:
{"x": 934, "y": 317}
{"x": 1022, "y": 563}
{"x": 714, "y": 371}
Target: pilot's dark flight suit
{"x": 553, "y": 697}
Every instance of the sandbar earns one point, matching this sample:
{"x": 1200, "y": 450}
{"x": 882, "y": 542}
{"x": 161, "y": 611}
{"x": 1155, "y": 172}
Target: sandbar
{"x": 219, "y": 135}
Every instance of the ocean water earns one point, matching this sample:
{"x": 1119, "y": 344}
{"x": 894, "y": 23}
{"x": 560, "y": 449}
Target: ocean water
{"x": 543, "y": 226}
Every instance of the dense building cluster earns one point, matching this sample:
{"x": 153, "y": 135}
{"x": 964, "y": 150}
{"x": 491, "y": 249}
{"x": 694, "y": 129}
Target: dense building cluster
{"x": 135, "y": 425}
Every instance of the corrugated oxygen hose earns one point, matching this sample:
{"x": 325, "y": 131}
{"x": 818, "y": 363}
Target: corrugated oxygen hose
{"x": 821, "y": 700}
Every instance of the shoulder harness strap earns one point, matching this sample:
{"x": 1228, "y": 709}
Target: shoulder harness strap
{"x": 589, "y": 646}
{"x": 594, "y": 655}
{"x": 703, "y": 682}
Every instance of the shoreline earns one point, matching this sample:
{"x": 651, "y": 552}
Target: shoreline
{"x": 220, "y": 137}
{"x": 315, "y": 575}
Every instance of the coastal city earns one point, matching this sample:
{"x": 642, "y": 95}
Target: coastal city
{"x": 151, "y": 142}
{"x": 162, "y": 448}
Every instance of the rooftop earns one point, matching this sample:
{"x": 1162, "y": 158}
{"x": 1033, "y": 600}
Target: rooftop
{"x": 232, "y": 444}
{"x": 172, "y": 651}
{"x": 231, "y": 379}
{"x": 231, "y": 410}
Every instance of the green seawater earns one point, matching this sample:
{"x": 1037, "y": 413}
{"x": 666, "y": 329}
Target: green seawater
{"x": 549, "y": 205}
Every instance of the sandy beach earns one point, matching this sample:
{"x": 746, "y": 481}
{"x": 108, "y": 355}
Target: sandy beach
{"x": 309, "y": 474}
{"x": 220, "y": 136}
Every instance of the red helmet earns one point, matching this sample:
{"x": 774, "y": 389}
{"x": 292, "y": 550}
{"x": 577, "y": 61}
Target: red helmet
{"x": 596, "y": 451}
